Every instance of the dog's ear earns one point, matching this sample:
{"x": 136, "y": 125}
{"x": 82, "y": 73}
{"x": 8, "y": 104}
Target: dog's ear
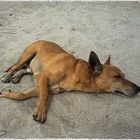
{"x": 94, "y": 62}
{"x": 108, "y": 60}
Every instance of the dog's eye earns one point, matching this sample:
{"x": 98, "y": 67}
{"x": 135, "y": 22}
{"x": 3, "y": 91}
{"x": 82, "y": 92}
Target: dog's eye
{"x": 117, "y": 76}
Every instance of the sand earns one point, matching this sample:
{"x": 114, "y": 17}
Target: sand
{"x": 79, "y": 27}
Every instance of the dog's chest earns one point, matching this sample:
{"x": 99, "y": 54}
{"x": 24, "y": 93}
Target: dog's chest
{"x": 56, "y": 89}
{"x": 60, "y": 87}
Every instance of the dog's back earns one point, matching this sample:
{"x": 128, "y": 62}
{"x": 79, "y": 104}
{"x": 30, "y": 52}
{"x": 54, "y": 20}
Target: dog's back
{"x": 50, "y": 56}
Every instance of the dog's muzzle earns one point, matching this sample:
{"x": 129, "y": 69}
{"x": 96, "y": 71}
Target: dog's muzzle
{"x": 129, "y": 92}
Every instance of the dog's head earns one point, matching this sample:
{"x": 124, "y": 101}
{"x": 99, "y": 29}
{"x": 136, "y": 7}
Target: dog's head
{"x": 108, "y": 78}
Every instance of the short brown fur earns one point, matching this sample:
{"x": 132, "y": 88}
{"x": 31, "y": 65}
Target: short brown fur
{"x": 55, "y": 71}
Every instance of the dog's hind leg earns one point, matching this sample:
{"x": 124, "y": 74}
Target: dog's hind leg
{"x": 19, "y": 96}
{"x": 19, "y": 74}
{"x": 16, "y": 76}
{"x": 26, "y": 57}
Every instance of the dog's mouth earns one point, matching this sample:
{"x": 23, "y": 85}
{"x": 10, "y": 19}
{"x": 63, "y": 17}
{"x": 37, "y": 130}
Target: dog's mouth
{"x": 118, "y": 92}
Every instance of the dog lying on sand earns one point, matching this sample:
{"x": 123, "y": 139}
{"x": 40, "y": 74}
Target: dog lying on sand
{"x": 56, "y": 71}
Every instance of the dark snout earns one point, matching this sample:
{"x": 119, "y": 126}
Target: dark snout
{"x": 132, "y": 90}
{"x": 128, "y": 89}
{"x": 136, "y": 89}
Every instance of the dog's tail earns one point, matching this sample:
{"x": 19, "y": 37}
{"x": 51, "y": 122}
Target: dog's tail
{"x": 20, "y": 96}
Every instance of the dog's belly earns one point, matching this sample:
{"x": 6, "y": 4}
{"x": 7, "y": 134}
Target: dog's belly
{"x": 35, "y": 66}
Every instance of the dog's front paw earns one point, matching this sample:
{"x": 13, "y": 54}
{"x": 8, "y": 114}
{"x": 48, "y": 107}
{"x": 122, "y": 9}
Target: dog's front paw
{"x": 39, "y": 115}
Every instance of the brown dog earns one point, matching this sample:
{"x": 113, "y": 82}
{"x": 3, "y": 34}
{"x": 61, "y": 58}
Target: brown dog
{"x": 54, "y": 71}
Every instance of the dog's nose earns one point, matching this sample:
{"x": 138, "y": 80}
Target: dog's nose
{"x": 138, "y": 89}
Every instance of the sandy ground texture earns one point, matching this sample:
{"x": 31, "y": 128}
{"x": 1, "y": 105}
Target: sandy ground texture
{"x": 79, "y": 27}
